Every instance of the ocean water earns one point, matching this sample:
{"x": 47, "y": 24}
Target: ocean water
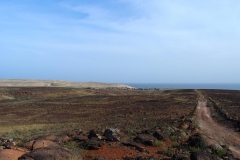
{"x": 223, "y": 86}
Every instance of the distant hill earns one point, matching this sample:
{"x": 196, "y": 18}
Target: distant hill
{"x": 58, "y": 83}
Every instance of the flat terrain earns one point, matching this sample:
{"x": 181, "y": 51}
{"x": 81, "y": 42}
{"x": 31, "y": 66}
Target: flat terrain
{"x": 43, "y": 110}
{"x": 153, "y": 123}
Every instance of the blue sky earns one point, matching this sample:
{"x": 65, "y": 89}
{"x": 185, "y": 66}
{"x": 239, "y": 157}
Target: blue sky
{"x": 121, "y": 41}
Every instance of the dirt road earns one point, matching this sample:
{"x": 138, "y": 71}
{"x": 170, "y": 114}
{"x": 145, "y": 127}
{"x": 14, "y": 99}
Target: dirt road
{"x": 215, "y": 133}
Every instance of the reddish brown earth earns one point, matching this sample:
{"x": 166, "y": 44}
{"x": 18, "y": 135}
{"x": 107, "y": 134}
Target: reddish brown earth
{"x": 213, "y": 131}
{"x": 27, "y": 113}
{"x": 109, "y": 152}
{"x": 117, "y": 151}
{"x": 10, "y": 154}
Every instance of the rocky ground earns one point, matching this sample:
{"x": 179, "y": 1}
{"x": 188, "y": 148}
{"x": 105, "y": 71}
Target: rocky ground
{"x": 182, "y": 143}
{"x": 136, "y": 138}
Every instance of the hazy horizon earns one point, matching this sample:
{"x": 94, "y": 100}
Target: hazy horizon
{"x": 121, "y": 41}
{"x": 116, "y": 82}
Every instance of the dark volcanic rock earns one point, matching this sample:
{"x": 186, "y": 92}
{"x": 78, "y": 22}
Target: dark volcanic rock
{"x": 7, "y": 145}
{"x": 200, "y": 156}
{"x": 145, "y": 139}
{"x": 135, "y": 145}
{"x": 92, "y": 134}
{"x": 196, "y": 141}
{"x": 112, "y": 134}
{"x": 178, "y": 156}
{"x": 99, "y": 158}
{"x": 160, "y": 136}
{"x": 143, "y": 158}
{"x": 91, "y": 144}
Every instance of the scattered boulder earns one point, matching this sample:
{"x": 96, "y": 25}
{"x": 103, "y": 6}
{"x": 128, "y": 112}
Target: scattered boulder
{"x": 135, "y": 145}
{"x": 7, "y": 145}
{"x": 196, "y": 141}
{"x": 141, "y": 158}
{"x": 149, "y": 131}
{"x": 170, "y": 129}
{"x": 184, "y": 125}
{"x": 178, "y": 156}
{"x": 52, "y": 153}
{"x": 215, "y": 147}
{"x": 160, "y": 136}
{"x": 63, "y": 138}
{"x": 112, "y": 134}
{"x": 145, "y": 139}
{"x": 80, "y": 131}
{"x": 99, "y": 158}
{"x": 44, "y": 143}
{"x": 29, "y": 145}
{"x": 192, "y": 127}
{"x": 92, "y": 134}
{"x": 91, "y": 144}
{"x": 200, "y": 156}
{"x": 182, "y": 133}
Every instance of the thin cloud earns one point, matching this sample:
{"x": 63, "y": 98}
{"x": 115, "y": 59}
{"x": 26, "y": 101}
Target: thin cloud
{"x": 159, "y": 38}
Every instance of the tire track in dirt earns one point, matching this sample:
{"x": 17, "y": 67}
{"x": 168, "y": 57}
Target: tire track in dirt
{"x": 214, "y": 133}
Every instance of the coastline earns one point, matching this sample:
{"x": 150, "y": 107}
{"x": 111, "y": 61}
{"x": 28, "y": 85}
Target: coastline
{"x": 221, "y": 86}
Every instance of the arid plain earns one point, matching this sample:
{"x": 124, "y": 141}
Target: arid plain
{"x": 157, "y": 124}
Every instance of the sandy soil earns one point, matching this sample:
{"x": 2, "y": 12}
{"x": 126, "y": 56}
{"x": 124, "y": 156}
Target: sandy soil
{"x": 58, "y": 83}
{"x": 214, "y": 132}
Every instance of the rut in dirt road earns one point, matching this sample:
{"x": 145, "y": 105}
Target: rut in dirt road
{"x": 215, "y": 133}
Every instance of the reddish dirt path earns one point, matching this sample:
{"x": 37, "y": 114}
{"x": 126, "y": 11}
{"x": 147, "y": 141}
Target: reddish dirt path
{"x": 214, "y": 133}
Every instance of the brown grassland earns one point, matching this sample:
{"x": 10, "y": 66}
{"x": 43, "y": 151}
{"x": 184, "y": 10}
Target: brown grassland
{"x": 228, "y": 101}
{"x": 29, "y": 111}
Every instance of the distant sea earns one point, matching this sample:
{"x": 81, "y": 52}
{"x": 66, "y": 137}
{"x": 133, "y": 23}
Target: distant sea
{"x": 222, "y": 86}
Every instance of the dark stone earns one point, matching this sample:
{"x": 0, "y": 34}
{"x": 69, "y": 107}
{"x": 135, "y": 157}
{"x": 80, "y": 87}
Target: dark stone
{"x": 1, "y": 139}
{"x": 7, "y": 145}
{"x": 196, "y": 141}
{"x": 139, "y": 158}
{"x": 92, "y": 134}
{"x": 145, "y": 139}
{"x": 143, "y": 158}
{"x": 91, "y": 144}
{"x": 99, "y": 158}
{"x": 178, "y": 156}
{"x": 160, "y": 136}
{"x": 112, "y": 134}
{"x": 135, "y": 145}
{"x": 200, "y": 156}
